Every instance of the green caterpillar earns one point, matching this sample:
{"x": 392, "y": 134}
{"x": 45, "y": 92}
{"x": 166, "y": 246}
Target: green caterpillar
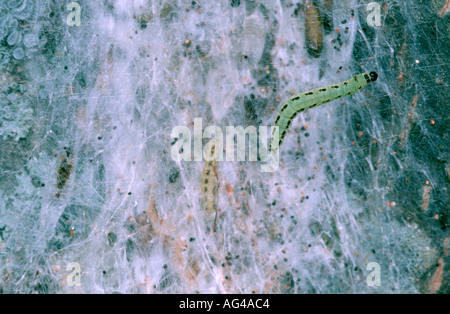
{"x": 316, "y": 97}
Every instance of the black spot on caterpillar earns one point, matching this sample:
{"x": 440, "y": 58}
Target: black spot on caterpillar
{"x": 304, "y": 101}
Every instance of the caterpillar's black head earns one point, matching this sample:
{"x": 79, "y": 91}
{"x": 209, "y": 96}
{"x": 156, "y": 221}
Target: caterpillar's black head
{"x": 373, "y": 76}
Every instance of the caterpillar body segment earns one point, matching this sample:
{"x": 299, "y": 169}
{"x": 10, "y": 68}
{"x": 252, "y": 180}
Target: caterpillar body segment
{"x": 316, "y": 97}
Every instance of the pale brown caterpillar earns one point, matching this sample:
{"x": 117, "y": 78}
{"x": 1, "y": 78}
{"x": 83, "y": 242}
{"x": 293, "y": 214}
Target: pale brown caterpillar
{"x": 313, "y": 29}
{"x": 209, "y": 185}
